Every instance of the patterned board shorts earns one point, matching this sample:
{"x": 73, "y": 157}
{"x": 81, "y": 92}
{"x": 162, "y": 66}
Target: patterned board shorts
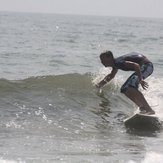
{"x": 133, "y": 80}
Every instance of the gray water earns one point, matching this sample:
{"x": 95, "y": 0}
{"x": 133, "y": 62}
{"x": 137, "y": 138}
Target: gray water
{"x": 50, "y": 110}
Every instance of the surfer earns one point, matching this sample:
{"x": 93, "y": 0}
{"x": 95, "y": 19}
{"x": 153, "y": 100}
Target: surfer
{"x": 142, "y": 68}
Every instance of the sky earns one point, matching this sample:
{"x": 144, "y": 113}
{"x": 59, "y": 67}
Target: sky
{"x": 129, "y": 8}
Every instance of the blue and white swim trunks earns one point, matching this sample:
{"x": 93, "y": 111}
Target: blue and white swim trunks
{"x": 133, "y": 80}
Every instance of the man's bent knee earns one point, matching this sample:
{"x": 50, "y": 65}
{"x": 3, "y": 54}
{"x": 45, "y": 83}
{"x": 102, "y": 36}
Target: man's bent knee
{"x": 127, "y": 90}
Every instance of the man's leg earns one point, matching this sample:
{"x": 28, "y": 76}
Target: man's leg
{"x": 137, "y": 97}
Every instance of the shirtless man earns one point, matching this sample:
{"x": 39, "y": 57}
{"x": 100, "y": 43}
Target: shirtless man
{"x": 142, "y": 68}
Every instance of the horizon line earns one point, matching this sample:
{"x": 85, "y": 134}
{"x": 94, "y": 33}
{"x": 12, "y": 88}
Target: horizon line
{"x": 77, "y": 14}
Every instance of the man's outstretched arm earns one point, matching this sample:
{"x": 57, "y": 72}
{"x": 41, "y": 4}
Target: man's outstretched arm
{"x": 107, "y": 78}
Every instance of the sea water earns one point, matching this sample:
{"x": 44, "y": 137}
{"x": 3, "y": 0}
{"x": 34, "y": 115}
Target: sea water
{"x": 50, "y": 110}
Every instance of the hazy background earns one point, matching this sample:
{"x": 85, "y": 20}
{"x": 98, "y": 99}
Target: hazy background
{"x": 133, "y": 8}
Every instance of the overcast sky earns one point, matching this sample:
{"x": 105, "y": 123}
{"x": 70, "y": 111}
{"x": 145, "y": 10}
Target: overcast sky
{"x": 136, "y": 8}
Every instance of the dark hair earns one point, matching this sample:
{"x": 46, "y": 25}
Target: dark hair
{"x": 107, "y": 54}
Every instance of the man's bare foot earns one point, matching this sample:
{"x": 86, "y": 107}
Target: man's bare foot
{"x": 145, "y": 111}
{"x": 150, "y": 112}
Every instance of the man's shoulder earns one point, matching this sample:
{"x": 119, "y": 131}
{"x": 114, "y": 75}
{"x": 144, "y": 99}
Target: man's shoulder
{"x": 129, "y": 54}
{"x": 133, "y": 53}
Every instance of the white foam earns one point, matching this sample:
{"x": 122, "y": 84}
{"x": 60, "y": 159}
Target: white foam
{"x": 96, "y": 78}
{"x": 7, "y": 161}
{"x": 154, "y": 95}
{"x": 151, "y": 157}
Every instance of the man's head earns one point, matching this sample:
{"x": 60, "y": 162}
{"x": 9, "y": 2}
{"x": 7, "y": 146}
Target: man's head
{"x": 107, "y": 59}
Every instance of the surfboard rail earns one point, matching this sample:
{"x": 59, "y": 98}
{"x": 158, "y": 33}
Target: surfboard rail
{"x": 143, "y": 121}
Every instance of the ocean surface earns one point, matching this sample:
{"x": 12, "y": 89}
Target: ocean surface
{"x": 50, "y": 110}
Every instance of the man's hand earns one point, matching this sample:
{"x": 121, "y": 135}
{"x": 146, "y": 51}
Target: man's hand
{"x": 107, "y": 78}
{"x": 101, "y": 84}
{"x": 144, "y": 84}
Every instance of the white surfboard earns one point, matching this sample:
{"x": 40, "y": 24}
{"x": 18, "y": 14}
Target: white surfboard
{"x": 143, "y": 121}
